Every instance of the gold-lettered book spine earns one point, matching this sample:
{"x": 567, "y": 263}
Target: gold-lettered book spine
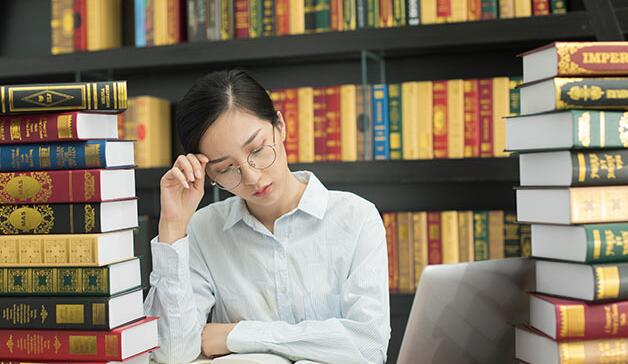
{"x": 49, "y": 250}
{"x": 593, "y": 351}
{"x": 54, "y": 280}
{"x": 598, "y": 204}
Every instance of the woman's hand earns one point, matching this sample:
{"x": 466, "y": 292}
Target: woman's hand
{"x": 214, "y": 339}
{"x": 182, "y": 188}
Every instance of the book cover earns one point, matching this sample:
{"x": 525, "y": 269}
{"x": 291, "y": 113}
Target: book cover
{"x": 485, "y": 87}
{"x": 434, "y": 236}
{"x": 590, "y": 93}
{"x": 381, "y": 122}
{"x": 395, "y": 115}
{"x": 306, "y": 124}
{"x": 480, "y": 235}
{"x": 348, "y": 124}
{"x": 320, "y": 124}
{"x": 440, "y": 119}
{"x": 501, "y": 104}
{"x": 333, "y": 147}
{"x": 599, "y": 167}
{"x": 471, "y": 119}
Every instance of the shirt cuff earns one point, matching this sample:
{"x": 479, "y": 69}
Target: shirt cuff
{"x": 248, "y": 337}
{"x": 170, "y": 259}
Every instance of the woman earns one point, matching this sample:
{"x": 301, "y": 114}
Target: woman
{"x": 285, "y": 266}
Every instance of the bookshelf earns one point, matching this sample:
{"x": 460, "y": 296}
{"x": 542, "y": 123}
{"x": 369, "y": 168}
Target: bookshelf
{"x": 465, "y": 50}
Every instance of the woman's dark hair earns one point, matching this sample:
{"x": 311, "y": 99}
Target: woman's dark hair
{"x": 211, "y": 96}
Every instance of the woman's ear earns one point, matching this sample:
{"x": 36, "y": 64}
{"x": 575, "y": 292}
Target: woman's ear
{"x": 281, "y": 125}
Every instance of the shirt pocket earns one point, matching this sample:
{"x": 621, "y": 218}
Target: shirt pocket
{"x": 321, "y": 306}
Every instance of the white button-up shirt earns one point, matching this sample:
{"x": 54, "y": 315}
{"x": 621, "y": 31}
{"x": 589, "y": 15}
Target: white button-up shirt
{"x": 316, "y": 288}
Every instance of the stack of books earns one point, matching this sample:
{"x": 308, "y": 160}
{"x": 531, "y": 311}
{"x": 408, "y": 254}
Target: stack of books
{"x": 573, "y": 140}
{"x": 70, "y": 286}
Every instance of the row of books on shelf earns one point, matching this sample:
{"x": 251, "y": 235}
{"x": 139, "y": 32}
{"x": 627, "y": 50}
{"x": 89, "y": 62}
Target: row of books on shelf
{"x": 418, "y": 239}
{"x": 90, "y": 25}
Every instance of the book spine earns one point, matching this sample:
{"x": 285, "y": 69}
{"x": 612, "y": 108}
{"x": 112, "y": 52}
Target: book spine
{"x": 226, "y": 19}
{"x": 515, "y": 95}
{"x": 525, "y": 239}
{"x": 50, "y": 187}
{"x": 428, "y": 11}
{"x": 443, "y": 10}
{"x": 395, "y": 116}
{"x": 48, "y": 219}
{"x": 256, "y": 15}
{"x": 465, "y": 235}
{"x": 322, "y": 13}
{"x": 282, "y": 11}
{"x": 425, "y": 120}
{"x": 306, "y": 125}
{"x": 241, "y": 19}
{"x": 485, "y": 87}
{"x": 413, "y": 12}
{"x": 459, "y": 12}
{"x": 474, "y": 10}
{"x": 506, "y": 9}
{"x": 399, "y": 13}
{"x": 291, "y": 116}
{"x": 94, "y": 96}
{"x": 599, "y": 129}
{"x": 361, "y": 8}
{"x": 37, "y": 345}
{"x": 297, "y": 17}
{"x": 87, "y": 313}
{"x": 559, "y": 6}
{"x": 592, "y": 352}
{"x": 540, "y": 7}
{"x": 598, "y": 204}
{"x": 501, "y": 104}
{"x": 349, "y": 14}
{"x": 44, "y": 281}
{"x": 449, "y": 237}
{"x": 140, "y": 22}
{"x": 348, "y": 125}
{"x": 385, "y": 19}
{"x": 591, "y": 93}
{"x": 420, "y": 241}
{"x": 320, "y": 124}
{"x": 335, "y": 15}
{"x": 381, "y": 123}
{"x": 409, "y": 120}
{"x": 590, "y": 59}
{"x": 610, "y": 282}
{"x": 489, "y": 9}
{"x": 480, "y": 235}
{"x": 523, "y": 8}
{"x": 390, "y": 223}
{"x": 435, "y": 247}
{"x": 455, "y": 119}
{"x": 310, "y": 16}
{"x": 268, "y": 19}
{"x": 605, "y": 243}
{"x": 172, "y": 24}
{"x": 36, "y": 128}
{"x": 440, "y": 117}
{"x": 404, "y": 225}
{"x": 149, "y": 22}
{"x": 72, "y": 155}
{"x": 590, "y": 321}
{"x": 363, "y": 120}
{"x": 80, "y": 25}
{"x": 599, "y": 167}
{"x": 512, "y": 245}
{"x": 62, "y": 26}
{"x": 372, "y": 15}
{"x": 160, "y": 22}
{"x": 333, "y": 148}
{"x": 496, "y": 241}
{"x": 471, "y": 119}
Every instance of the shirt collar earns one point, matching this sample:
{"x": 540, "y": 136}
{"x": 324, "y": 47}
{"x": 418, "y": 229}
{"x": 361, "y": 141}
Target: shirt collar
{"x": 313, "y": 201}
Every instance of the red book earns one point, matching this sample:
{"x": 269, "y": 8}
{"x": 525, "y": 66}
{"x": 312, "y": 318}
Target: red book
{"x": 390, "y": 223}
{"x": 66, "y": 126}
{"x": 333, "y": 140}
{"x": 443, "y": 8}
{"x": 291, "y": 117}
{"x": 385, "y": 13}
{"x": 434, "y": 243}
{"x": 471, "y": 119}
{"x": 175, "y": 28}
{"x": 320, "y": 124}
{"x": 486, "y": 117}
{"x": 540, "y": 7}
{"x": 568, "y": 319}
{"x": 241, "y": 19}
{"x": 74, "y": 345}
{"x": 66, "y": 186}
{"x": 282, "y": 15}
{"x": 149, "y": 25}
{"x": 440, "y": 119}
{"x": 80, "y": 25}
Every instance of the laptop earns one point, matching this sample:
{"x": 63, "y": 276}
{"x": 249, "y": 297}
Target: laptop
{"x": 466, "y": 313}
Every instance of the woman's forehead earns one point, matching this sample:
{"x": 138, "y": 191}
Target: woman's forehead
{"x": 229, "y": 132}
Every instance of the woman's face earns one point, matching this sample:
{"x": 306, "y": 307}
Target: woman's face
{"x": 237, "y": 137}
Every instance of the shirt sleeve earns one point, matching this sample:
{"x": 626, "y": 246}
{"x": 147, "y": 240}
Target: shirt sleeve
{"x": 360, "y": 336}
{"x": 182, "y": 295}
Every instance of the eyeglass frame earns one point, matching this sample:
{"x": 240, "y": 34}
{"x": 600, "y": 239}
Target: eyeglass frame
{"x": 238, "y": 168}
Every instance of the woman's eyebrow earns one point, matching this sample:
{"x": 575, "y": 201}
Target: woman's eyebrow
{"x": 247, "y": 142}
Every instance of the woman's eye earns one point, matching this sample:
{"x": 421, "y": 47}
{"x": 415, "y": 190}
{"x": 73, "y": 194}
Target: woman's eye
{"x": 256, "y": 151}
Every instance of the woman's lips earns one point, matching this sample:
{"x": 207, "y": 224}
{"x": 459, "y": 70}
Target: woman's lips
{"x": 264, "y": 191}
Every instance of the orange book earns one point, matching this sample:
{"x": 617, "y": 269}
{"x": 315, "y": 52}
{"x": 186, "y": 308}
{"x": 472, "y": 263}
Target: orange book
{"x": 405, "y": 229}
{"x": 435, "y": 248}
{"x": 496, "y": 244}
{"x": 291, "y": 117}
{"x": 390, "y": 223}
{"x": 332, "y": 132}
{"x": 385, "y": 13}
{"x": 474, "y": 10}
{"x": 540, "y": 7}
{"x": 320, "y": 124}
{"x": 282, "y": 17}
{"x": 336, "y": 15}
{"x": 501, "y": 109}
{"x": 440, "y": 119}
{"x": 465, "y": 235}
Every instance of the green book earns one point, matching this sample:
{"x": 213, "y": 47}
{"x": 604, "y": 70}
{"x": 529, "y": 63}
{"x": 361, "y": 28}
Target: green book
{"x": 559, "y": 6}
{"x": 256, "y": 18}
{"x": 525, "y": 239}
{"x": 480, "y": 235}
{"x": 394, "y": 116}
{"x": 268, "y": 19}
{"x": 372, "y": 13}
{"x": 512, "y": 246}
{"x": 322, "y": 14}
{"x": 515, "y": 95}
{"x": 489, "y": 9}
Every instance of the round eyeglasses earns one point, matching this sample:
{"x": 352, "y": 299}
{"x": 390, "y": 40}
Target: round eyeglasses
{"x": 231, "y": 177}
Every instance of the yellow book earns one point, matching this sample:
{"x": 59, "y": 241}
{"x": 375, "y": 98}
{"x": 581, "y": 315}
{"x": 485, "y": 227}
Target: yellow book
{"x": 56, "y": 250}
{"x": 449, "y": 236}
{"x": 306, "y": 125}
{"x": 409, "y": 120}
{"x": 496, "y": 241}
{"x": 465, "y": 235}
{"x": 348, "y": 125}
{"x": 297, "y": 17}
{"x": 506, "y": 9}
{"x": 148, "y": 122}
{"x": 405, "y": 243}
{"x": 419, "y": 239}
{"x": 459, "y": 11}
{"x": 501, "y": 109}
{"x": 160, "y": 22}
{"x": 523, "y": 8}
{"x": 425, "y": 115}
{"x": 455, "y": 119}
{"x": 62, "y": 26}
{"x": 428, "y": 12}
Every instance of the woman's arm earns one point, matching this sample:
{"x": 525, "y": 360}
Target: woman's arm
{"x": 360, "y": 337}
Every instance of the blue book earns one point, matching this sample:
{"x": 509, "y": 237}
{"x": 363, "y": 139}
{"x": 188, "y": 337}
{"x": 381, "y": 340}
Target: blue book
{"x": 140, "y": 23}
{"x": 68, "y": 155}
{"x": 381, "y": 123}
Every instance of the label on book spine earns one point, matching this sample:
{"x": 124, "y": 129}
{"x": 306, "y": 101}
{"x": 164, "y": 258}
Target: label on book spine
{"x": 71, "y": 155}
{"x": 600, "y": 129}
{"x": 600, "y": 167}
{"x": 592, "y": 58}
{"x": 605, "y": 243}
{"x": 49, "y": 219}
{"x": 54, "y": 313}
{"x": 591, "y": 93}
{"x": 54, "y": 281}
{"x": 610, "y": 282}
{"x": 50, "y": 186}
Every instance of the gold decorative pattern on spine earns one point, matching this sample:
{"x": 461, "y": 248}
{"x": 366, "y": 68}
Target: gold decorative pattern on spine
{"x": 70, "y": 187}
{"x": 89, "y": 97}
{"x": 111, "y": 345}
{"x": 89, "y": 186}
{"x": 95, "y": 92}
{"x": 71, "y": 218}
{"x": 70, "y": 314}
{"x": 566, "y": 66}
{"x": 16, "y": 219}
{"x": 90, "y": 218}
{"x": 98, "y": 314}
{"x": 4, "y": 107}
{"x": 597, "y": 244}
{"x": 572, "y": 353}
{"x": 10, "y": 343}
{"x": 49, "y": 92}
{"x": 64, "y": 126}
{"x": 572, "y": 321}
{"x": 51, "y": 249}
{"x": 92, "y": 155}
{"x": 115, "y": 95}
{"x": 82, "y": 345}
{"x": 44, "y": 314}
{"x": 607, "y": 282}
{"x": 582, "y": 168}
{"x": 57, "y": 345}
{"x": 584, "y": 129}
{"x": 44, "y": 157}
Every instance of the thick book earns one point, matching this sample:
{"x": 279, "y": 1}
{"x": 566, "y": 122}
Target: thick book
{"x": 291, "y": 116}
{"x": 67, "y": 126}
{"x": 71, "y": 313}
{"x": 75, "y": 345}
{"x": 143, "y": 358}
{"x": 381, "y": 122}
{"x": 565, "y": 59}
{"x": 572, "y": 205}
{"x": 593, "y": 283}
{"x": 67, "y": 155}
{"x": 75, "y": 218}
{"x": 455, "y": 119}
{"x": 562, "y": 93}
{"x": 395, "y": 115}
{"x": 333, "y": 146}
{"x": 564, "y": 319}
{"x": 69, "y": 186}
{"x": 94, "y": 96}
{"x": 590, "y": 243}
{"x": 533, "y": 347}
{"x": 71, "y": 281}
{"x": 348, "y": 124}
{"x": 306, "y": 124}
{"x": 449, "y": 237}
{"x": 471, "y": 119}
{"x": 320, "y": 124}
{"x": 148, "y": 122}
{"x": 439, "y": 119}
{"x": 68, "y": 250}
{"x": 571, "y": 129}
{"x": 574, "y": 168}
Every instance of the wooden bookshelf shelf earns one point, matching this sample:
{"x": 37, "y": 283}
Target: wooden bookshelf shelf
{"x": 329, "y": 46}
